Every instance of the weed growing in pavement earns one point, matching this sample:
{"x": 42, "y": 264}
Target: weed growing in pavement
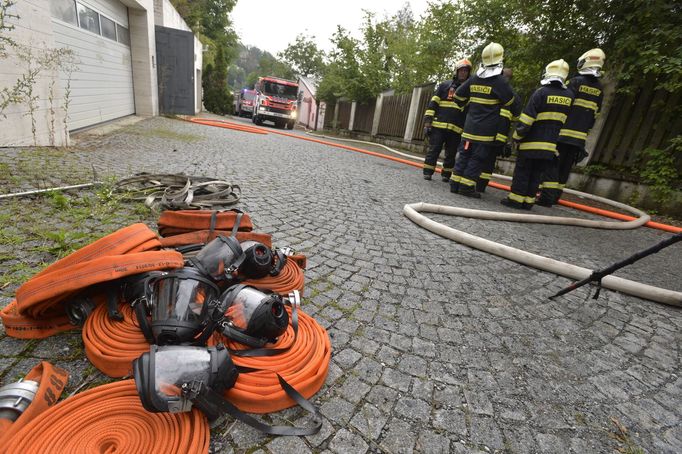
{"x": 161, "y": 133}
{"x": 39, "y": 230}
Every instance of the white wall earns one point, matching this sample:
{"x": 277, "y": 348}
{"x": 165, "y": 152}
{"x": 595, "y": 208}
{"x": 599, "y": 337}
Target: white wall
{"x": 34, "y": 30}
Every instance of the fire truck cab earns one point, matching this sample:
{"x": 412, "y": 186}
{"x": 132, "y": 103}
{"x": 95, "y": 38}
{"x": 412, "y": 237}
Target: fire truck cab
{"x": 276, "y": 102}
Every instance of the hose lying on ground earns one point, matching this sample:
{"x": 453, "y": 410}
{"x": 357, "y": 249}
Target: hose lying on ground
{"x": 561, "y": 268}
{"x": 304, "y": 366}
{"x": 108, "y": 419}
{"x": 413, "y": 212}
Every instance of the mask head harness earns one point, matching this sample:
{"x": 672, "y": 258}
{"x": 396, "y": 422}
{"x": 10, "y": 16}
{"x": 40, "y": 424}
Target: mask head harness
{"x": 219, "y": 259}
{"x": 260, "y": 260}
{"x": 253, "y": 317}
{"x": 180, "y": 303}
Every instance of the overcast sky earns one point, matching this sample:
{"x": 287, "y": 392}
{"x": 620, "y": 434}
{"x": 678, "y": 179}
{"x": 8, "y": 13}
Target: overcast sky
{"x": 272, "y": 24}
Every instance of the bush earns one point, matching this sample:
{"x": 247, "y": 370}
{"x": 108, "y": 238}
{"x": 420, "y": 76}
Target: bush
{"x": 217, "y": 96}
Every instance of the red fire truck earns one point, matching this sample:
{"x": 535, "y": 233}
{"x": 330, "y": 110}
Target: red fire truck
{"x": 275, "y": 101}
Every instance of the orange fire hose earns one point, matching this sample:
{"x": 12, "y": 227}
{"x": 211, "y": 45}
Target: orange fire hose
{"x": 304, "y": 366}
{"x": 38, "y": 310}
{"x": 204, "y": 236}
{"x": 175, "y": 222}
{"x": 110, "y": 345}
{"x": 577, "y": 206}
{"x": 290, "y": 278}
{"x": 110, "y": 419}
{"x": 235, "y": 126}
{"x": 51, "y": 381}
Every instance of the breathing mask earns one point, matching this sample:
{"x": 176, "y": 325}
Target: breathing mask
{"x": 260, "y": 260}
{"x": 220, "y": 258}
{"x": 253, "y": 317}
{"x": 168, "y": 378}
{"x": 180, "y": 303}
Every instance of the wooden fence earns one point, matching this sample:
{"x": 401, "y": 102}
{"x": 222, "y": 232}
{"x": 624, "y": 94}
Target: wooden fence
{"x": 344, "y": 114}
{"x": 329, "y": 115}
{"x": 424, "y": 99}
{"x": 635, "y": 122}
{"x": 364, "y": 116}
{"x": 394, "y": 112}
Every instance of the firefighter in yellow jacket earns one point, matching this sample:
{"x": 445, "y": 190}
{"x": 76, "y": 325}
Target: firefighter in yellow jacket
{"x": 536, "y": 134}
{"x": 588, "y": 94}
{"x": 486, "y": 93}
{"x": 443, "y": 121}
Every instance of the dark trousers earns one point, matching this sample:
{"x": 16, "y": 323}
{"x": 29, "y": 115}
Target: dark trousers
{"x": 556, "y": 175}
{"x": 470, "y": 161}
{"x": 441, "y": 138}
{"x": 527, "y": 178}
{"x": 488, "y": 168}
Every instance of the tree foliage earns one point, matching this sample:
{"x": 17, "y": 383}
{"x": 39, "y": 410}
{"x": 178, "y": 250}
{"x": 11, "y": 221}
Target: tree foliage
{"x": 303, "y": 56}
{"x": 641, "y": 39}
{"x": 217, "y": 97}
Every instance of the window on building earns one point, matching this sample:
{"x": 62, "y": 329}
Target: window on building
{"x": 88, "y": 19}
{"x": 64, "y": 10}
{"x": 123, "y": 35}
{"x": 108, "y": 27}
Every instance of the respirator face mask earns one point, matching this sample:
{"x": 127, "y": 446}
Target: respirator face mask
{"x": 253, "y": 317}
{"x": 167, "y": 377}
{"x": 219, "y": 259}
{"x": 260, "y": 260}
{"x": 179, "y": 303}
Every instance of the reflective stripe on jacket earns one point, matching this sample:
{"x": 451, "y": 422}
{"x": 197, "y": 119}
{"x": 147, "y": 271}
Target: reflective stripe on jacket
{"x": 443, "y": 112}
{"x": 588, "y": 95}
{"x": 485, "y": 97}
{"x": 540, "y": 122}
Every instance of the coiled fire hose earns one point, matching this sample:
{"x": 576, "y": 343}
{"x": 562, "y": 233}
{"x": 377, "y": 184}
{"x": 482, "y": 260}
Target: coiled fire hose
{"x": 290, "y": 278}
{"x": 51, "y": 381}
{"x": 112, "y": 346}
{"x": 183, "y": 221}
{"x": 38, "y": 310}
{"x": 204, "y": 236}
{"x": 304, "y": 366}
{"x": 110, "y": 419}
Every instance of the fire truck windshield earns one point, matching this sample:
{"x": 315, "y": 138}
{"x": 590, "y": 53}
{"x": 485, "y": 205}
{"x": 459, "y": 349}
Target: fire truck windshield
{"x": 281, "y": 90}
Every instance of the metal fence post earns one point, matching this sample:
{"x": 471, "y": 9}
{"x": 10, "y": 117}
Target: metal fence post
{"x": 377, "y": 114}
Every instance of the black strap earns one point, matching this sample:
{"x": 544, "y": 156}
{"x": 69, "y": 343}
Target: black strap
{"x": 257, "y": 352}
{"x": 211, "y": 225}
{"x": 212, "y": 404}
{"x": 141, "y": 315}
{"x": 237, "y": 221}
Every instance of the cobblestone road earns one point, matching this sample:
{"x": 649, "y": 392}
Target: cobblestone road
{"x": 437, "y": 347}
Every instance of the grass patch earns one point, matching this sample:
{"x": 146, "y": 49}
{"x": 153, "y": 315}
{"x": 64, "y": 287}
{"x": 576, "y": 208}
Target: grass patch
{"x": 162, "y": 133}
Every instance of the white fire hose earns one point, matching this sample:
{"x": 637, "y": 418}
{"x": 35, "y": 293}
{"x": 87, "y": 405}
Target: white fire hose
{"x": 414, "y": 213}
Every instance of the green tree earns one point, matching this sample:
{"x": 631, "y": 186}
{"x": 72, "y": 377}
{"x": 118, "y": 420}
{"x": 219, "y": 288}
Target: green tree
{"x": 304, "y": 57}
{"x": 217, "y": 98}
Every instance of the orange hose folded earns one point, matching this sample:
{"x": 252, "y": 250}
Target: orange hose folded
{"x": 51, "y": 381}
{"x": 290, "y": 278}
{"x": 109, "y": 419}
{"x": 110, "y": 345}
{"x": 204, "y": 236}
{"x": 304, "y": 366}
{"x": 182, "y": 221}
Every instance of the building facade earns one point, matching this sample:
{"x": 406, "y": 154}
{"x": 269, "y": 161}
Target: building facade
{"x": 88, "y": 62}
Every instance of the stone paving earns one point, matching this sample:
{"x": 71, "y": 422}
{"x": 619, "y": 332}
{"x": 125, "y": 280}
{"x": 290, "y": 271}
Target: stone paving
{"x": 436, "y": 347}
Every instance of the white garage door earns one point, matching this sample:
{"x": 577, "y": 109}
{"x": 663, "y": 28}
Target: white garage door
{"x": 97, "y": 32}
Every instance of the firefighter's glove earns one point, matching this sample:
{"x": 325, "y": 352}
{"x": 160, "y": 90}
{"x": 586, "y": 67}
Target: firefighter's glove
{"x": 580, "y": 156}
{"x": 427, "y": 129}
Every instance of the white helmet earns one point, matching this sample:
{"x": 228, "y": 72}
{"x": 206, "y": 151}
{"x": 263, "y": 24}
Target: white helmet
{"x": 492, "y": 54}
{"x": 555, "y": 71}
{"x": 593, "y": 58}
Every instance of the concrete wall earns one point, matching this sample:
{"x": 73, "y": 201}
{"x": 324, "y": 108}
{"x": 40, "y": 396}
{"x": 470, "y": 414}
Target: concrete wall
{"x": 143, "y": 50}
{"x": 34, "y": 31}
